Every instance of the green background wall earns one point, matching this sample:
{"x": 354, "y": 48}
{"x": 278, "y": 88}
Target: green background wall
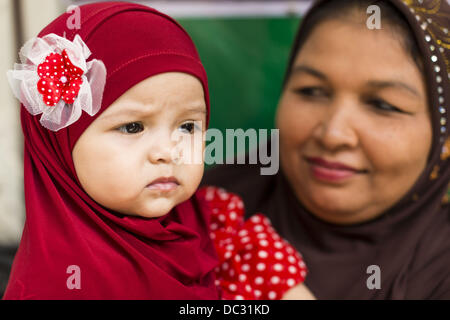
{"x": 245, "y": 59}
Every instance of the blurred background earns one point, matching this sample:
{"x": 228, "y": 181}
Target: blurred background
{"x": 244, "y": 46}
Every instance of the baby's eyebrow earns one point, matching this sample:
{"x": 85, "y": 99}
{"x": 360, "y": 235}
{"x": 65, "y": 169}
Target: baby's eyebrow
{"x": 126, "y": 112}
{"x": 195, "y": 110}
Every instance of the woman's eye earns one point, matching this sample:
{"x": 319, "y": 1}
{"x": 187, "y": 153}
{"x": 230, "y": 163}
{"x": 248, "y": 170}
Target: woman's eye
{"x": 189, "y": 127}
{"x": 383, "y": 105}
{"x": 131, "y": 128}
{"x": 312, "y": 92}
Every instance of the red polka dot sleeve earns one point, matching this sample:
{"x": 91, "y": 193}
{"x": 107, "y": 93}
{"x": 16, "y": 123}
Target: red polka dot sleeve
{"x": 255, "y": 262}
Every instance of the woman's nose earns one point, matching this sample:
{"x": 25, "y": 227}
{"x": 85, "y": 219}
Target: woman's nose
{"x": 336, "y": 130}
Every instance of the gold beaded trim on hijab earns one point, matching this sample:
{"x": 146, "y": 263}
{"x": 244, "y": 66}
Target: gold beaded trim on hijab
{"x": 424, "y": 14}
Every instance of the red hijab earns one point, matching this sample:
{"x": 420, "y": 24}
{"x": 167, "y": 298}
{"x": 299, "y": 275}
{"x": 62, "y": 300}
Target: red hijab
{"x": 115, "y": 256}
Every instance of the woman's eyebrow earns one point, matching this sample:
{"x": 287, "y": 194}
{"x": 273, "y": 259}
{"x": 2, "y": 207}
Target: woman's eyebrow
{"x": 310, "y": 71}
{"x": 394, "y": 84}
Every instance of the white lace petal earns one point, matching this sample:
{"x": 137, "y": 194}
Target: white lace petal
{"x": 24, "y": 78}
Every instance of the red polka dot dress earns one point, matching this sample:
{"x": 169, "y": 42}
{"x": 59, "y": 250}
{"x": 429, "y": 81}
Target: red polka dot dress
{"x": 255, "y": 263}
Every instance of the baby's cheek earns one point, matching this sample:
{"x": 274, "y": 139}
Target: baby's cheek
{"x": 190, "y": 176}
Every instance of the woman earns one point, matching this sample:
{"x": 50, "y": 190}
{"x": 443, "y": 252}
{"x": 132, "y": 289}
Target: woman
{"x": 364, "y": 152}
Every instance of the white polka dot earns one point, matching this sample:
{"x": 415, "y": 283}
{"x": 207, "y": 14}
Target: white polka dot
{"x": 224, "y": 195}
{"x": 231, "y": 206}
{"x": 225, "y": 266}
{"x": 242, "y": 277}
{"x": 229, "y": 247}
{"x": 248, "y": 288}
{"x": 237, "y": 258}
{"x": 264, "y": 243}
{"x": 303, "y": 273}
{"x": 245, "y": 239}
{"x": 231, "y": 273}
{"x": 261, "y": 235}
{"x": 291, "y": 259}
{"x": 279, "y": 255}
{"x": 290, "y": 282}
{"x": 301, "y": 264}
{"x": 227, "y": 255}
{"x": 247, "y": 256}
{"x": 239, "y": 297}
{"x": 257, "y": 293}
{"x": 43, "y": 82}
{"x": 217, "y": 282}
{"x": 275, "y": 280}
{"x": 242, "y": 233}
{"x": 248, "y": 246}
{"x": 278, "y": 267}
{"x": 278, "y": 245}
{"x": 232, "y": 287}
{"x": 214, "y": 226}
{"x": 272, "y": 295}
{"x": 263, "y": 254}
{"x": 245, "y": 267}
{"x": 255, "y": 219}
{"x": 233, "y": 215}
{"x": 258, "y": 228}
{"x": 292, "y": 269}
{"x": 259, "y": 280}
{"x": 261, "y": 266}
{"x": 46, "y": 68}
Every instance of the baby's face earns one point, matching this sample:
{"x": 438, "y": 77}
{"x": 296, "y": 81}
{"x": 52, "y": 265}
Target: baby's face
{"x": 126, "y": 160}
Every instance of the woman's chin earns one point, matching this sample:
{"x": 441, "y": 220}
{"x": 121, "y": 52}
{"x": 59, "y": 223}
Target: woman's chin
{"x": 333, "y": 205}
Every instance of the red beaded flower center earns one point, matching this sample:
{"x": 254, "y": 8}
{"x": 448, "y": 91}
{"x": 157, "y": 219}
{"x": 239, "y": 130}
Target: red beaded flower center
{"x": 59, "y": 79}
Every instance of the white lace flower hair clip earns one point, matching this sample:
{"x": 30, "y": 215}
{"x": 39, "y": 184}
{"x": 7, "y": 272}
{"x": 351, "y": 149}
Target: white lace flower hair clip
{"x": 55, "y": 79}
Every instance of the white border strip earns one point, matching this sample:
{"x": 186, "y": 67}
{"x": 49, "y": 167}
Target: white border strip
{"x": 193, "y": 9}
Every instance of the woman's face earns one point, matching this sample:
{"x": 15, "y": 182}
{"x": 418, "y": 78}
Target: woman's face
{"x": 139, "y": 139}
{"x": 355, "y": 129}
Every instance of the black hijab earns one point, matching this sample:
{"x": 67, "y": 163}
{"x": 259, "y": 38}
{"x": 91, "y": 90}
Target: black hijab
{"x": 411, "y": 241}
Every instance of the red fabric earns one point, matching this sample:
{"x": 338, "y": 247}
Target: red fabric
{"x": 62, "y": 82}
{"x": 119, "y": 257}
{"x": 255, "y": 262}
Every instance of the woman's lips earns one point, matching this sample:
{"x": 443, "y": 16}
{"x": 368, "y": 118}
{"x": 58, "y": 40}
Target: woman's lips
{"x": 331, "y": 171}
{"x": 164, "y": 184}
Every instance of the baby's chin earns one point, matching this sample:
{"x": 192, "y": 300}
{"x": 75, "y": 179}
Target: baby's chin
{"x": 155, "y": 208}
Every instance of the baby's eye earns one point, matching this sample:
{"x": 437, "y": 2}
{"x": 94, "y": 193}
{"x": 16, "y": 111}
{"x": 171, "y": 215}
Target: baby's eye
{"x": 131, "y": 128}
{"x": 189, "y": 127}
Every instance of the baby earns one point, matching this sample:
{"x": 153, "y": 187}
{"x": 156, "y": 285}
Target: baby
{"x": 110, "y": 113}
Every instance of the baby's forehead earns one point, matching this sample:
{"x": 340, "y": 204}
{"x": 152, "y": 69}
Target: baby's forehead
{"x": 127, "y": 108}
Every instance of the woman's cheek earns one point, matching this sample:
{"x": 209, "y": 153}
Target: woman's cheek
{"x": 296, "y": 123}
